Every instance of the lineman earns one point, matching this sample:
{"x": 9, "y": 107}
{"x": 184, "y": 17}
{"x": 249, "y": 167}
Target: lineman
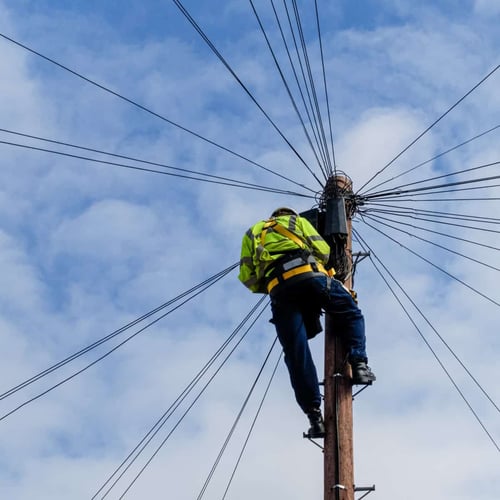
{"x": 285, "y": 256}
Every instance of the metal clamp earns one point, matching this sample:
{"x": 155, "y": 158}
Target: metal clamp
{"x": 338, "y": 487}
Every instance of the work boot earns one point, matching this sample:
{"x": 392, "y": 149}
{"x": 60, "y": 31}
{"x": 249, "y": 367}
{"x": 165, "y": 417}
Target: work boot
{"x": 317, "y": 429}
{"x": 361, "y": 373}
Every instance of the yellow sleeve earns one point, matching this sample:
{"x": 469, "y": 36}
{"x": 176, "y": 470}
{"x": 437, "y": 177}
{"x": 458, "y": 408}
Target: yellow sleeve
{"x": 248, "y": 271}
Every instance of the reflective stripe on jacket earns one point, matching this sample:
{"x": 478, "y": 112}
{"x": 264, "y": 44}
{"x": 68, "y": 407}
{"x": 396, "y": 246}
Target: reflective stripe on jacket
{"x": 257, "y": 255}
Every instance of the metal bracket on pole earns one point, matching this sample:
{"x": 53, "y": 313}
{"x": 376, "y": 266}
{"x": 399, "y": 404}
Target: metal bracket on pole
{"x": 368, "y": 490}
{"x": 360, "y": 391}
{"x": 359, "y": 256}
{"x": 305, "y": 435}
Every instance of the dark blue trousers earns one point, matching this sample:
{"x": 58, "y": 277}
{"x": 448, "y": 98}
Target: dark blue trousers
{"x": 290, "y": 304}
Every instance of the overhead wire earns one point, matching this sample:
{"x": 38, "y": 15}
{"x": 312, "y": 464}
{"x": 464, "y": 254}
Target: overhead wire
{"x": 449, "y": 174}
{"x": 146, "y": 162}
{"x": 237, "y": 184}
{"x": 467, "y": 285}
{"x": 435, "y": 122}
{"x": 410, "y": 196}
{"x": 136, "y": 104}
{"x": 311, "y": 79}
{"x": 320, "y": 150}
{"x": 130, "y": 459}
{"x": 421, "y": 211}
{"x": 214, "y": 49}
{"x": 252, "y": 426}
{"x": 431, "y": 200}
{"x": 441, "y": 364}
{"x": 447, "y": 249}
{"x": 407, "y": 224}
{"x": 308, "y": 91}
{"x": 434, "y": 215}
{"x": 287, "y": 87}
{"x": 327, "y": 99}
{"x": 235, "y": 423}
{"x": 160, "y": 446}
{"x": 440, "y": 155}
{"x": 197, "y": 292}
{"x": 400, "y": 192}
{"x": 437, "y": 221}
{"x": 112, "y": 335}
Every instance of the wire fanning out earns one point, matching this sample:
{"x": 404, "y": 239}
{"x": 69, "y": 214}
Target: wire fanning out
{"x": 194, "y": 292}
{"x": 140, "y": 106}
{"x": 373, "y": 208}
{"x": 235, "y": 423}
{"x": 160, "y": 423}
{"x": 205, "y": 38}
{"x": 435, "y": 122}
{"x": 369, "y": 249}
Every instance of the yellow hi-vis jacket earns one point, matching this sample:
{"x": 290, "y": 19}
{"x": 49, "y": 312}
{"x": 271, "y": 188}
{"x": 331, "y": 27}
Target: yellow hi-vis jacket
{"x": 267, "y": 241}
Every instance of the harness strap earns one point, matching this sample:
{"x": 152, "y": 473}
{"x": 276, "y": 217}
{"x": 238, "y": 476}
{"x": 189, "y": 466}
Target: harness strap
{"x": 276, "y": 226}
{"x": 301, "y": 267}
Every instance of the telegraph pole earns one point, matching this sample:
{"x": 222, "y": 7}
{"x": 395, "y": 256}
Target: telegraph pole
{"x": 338, "y": 443}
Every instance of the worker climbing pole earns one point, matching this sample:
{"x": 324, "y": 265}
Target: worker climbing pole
{"x": 338, "y": 445}
{"x": 294, "y": 259}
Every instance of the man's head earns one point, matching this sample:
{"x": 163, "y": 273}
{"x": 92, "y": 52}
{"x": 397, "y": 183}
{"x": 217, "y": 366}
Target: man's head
{"x": 284, "y": 211}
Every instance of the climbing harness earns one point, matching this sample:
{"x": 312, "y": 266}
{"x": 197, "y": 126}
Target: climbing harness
{"x": 293, "y": 263}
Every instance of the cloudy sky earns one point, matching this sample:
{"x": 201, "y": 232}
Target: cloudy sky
{"x": 87, "y": 247}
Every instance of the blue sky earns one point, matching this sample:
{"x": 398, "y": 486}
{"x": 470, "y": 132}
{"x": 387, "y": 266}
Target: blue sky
{"x": 87, "y": 248}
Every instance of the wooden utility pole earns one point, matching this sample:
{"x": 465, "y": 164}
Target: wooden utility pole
{"x": 338, "y": 450}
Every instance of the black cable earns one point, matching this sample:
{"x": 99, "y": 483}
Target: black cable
{"x": 427, "y": 342}
{"x": 438, "y": 233}
{"x": 252, "y": 426}
{"x": 404, "y": 212}
{"x": 131, "y": 158}
{"x": 301, "y": 93}
{"x": 433, "y": 243}
{"x": 140, "y": 106}
{"x": 195, "y": 25}
{"x": 311, "y": 79}
{"x": 400, "y": 192}
{"x": 402, "y": 196}
{"x": 161, "y": 172}
{"x": 404, "y": 199}
{"x": 436, "y": 221}
{"x": 434, "y": 265}
{"x": 334, "y": 172}
{"x": 285, "y": 83}
{"x": 235, "y": 423}
{"x": 421, "y": 211}
{"x": 144, "y": 442}
{"x": 430, "y": 127}
{"x": 434, "y": 158}
{"x": 314, "y": 122}
{"x": 105, "y": 355}
{"x": 110, "y": 336}
{"x": 450, "y": 174}
{"x": 189, "y": 408}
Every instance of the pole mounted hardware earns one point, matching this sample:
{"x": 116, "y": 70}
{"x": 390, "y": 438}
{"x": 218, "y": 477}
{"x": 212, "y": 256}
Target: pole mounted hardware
{"x": 367, "y": 489}
{"x": 338, "y": 487}
{"x": 335, "y": 218}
